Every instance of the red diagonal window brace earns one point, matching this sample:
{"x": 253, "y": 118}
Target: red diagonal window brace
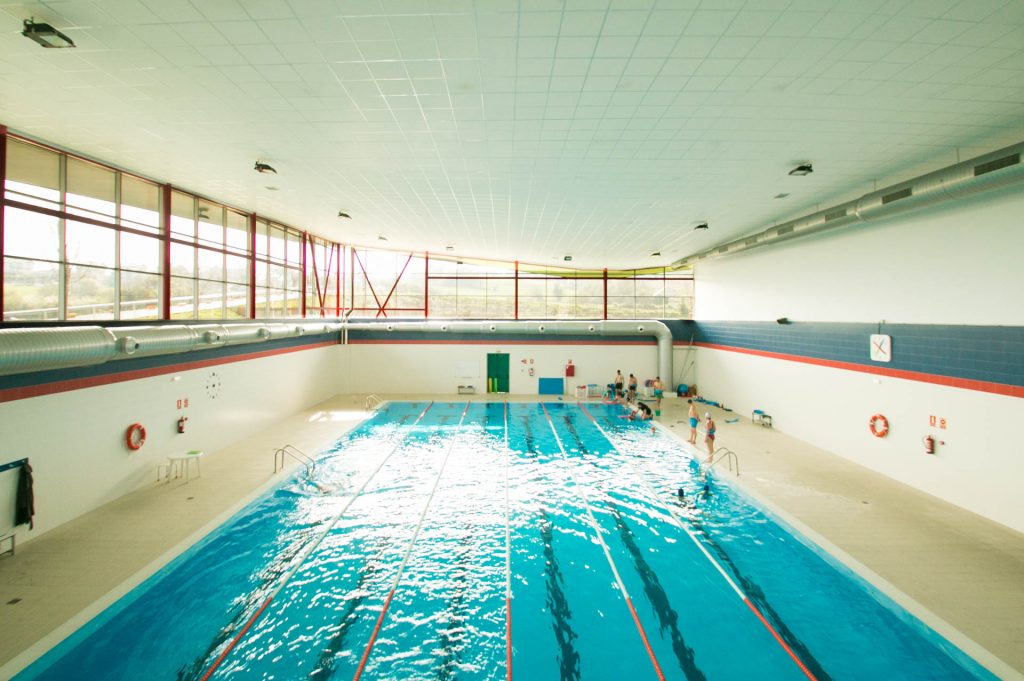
{"x": 366, "y": 276}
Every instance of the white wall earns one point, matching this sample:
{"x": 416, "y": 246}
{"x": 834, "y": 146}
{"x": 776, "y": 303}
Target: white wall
{"x": 75, "y": 439}
{"x": 431, "y": 368}
{"x": 943, "y": 266}
{"x": 960, "y": 265}
{"x": 979, "y": 466}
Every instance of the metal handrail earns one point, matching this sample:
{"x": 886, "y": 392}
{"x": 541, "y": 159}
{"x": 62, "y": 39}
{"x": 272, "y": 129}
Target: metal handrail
{"x": 727, "y": 455}
{"x": 373, "y": 401}
{"x": 296, "y": 454}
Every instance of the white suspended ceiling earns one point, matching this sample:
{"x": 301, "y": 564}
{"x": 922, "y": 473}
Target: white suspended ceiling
{"x": 530, "y": 129}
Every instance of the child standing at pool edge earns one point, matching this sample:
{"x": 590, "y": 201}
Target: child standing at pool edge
{"x": 694, "y": 420}
{"x": 709, "y": 434}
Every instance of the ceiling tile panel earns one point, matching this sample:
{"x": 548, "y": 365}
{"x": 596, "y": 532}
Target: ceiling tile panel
{"x": 524, "y": 129}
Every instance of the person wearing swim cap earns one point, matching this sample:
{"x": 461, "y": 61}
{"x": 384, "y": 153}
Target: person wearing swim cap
{"x": 709, "y": 434}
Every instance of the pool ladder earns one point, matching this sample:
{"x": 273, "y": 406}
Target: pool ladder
{"x": 723, "y": 454}
{"x": 373, "y": 401}
{"x": 296, "y": 454}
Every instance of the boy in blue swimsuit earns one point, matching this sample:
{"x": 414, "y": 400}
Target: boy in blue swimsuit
{"x": 659, "y": 392}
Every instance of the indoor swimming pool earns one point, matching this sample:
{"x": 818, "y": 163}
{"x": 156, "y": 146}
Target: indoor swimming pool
{"x": 504, "y": 540}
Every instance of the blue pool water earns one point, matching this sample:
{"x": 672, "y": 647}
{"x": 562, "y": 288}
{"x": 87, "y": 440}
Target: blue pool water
{"x": 395, "y": 562}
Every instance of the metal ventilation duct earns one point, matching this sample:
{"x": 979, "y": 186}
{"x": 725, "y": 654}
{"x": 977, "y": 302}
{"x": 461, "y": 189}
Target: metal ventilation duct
{"x": 989, "y": 171}
{"x": 26, "y": 350}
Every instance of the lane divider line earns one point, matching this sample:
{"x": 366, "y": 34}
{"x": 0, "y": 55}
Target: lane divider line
{"x": 683, "y": 526}
{"x": 604, "y": 547}
{"x": 408, "y": 553}
{"x": 508, "y": 563}
{"x": 301, "y": 558}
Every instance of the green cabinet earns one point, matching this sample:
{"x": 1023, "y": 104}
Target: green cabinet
{"x": 497, "y": 372}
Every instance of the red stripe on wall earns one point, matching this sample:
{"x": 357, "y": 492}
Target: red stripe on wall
{"x": 11, "y": 394}
{"x": 366, "y": 341}
{"x": 935, "y": 379}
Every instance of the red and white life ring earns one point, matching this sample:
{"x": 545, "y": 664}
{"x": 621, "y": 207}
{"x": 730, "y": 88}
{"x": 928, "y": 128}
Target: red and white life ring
{"x": 135, "y": 436}
{"x": 879, "y": 425}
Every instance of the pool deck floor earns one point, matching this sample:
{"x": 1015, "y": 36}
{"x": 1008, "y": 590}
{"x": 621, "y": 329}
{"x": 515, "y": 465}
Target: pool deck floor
{"x": 960, "y": 573}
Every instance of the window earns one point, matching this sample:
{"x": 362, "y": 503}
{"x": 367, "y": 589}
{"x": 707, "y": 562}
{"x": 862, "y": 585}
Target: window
{"x": 86, "y": 241}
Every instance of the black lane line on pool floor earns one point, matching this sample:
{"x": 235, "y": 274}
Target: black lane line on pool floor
{"x": 667, "y": 615}
{"x": 324, "y": 668}
{"x": 668, "y": 618}
{"x": 508, "y": 555}
{"x": 756, "y": 594}
{"x": 408, "y": 552}
{"x": 303, "y": 554}
{"x": 558, "y": 604}
{"x": 745, "y": 597}
{"x": 450, "y": 640}
{"x": 569, "y": 660}
{"x": 604, "y": 548}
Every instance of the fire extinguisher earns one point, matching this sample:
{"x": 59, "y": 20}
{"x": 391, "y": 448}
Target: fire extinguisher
{"x": 929, "y": 444}
{"x": 181, "y": 424}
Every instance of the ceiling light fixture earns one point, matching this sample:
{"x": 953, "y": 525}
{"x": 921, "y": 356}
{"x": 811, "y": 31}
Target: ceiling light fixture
{"x": 781, "y": 196}
{"x": 269, "y": 188}
{"x": 567, "y": 258}
{"x": 45, "y": 35}
{"x": 449, "y": 248}
{"x": 262, "y": 167}
{"x": 381, "y": 237}
{"x": 802, "y": 169}
{"x": 656, "y": 254}
{"x": 702, "y": 225}
{"x": 343, "y": 214}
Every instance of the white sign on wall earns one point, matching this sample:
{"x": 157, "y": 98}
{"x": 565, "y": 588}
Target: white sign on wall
{"x": 881, "y": 347}
{"x": 467, "y": 369}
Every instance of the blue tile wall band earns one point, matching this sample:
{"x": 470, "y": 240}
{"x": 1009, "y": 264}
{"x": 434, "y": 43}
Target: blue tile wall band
{"x": 979, "y": 353}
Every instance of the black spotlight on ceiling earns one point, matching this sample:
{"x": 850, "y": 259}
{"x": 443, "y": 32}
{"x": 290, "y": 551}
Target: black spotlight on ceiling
{"x": 262, "y": 167}
{"x": 802, "y": 169}
{"x": 45, "y": 35}
{"x": 343, "y": 214}
{"x": 702, "y": 225}
{"x": 783, "y": 320}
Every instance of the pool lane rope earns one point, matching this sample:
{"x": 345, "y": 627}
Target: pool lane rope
{"x": 408, "y": 553}
{"x": 306, "y": 553}
{"x": 604, "y": 547}
{"x": 508, "y": 563}
{"x": 683, "y": 526}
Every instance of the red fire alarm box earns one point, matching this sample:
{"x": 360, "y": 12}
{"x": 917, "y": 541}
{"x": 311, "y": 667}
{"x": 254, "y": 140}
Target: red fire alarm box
{"x": 570, "y": 370}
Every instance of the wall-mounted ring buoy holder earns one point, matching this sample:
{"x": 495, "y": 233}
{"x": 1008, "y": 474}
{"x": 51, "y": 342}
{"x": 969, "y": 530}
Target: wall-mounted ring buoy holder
{"x": 135, "y": 436}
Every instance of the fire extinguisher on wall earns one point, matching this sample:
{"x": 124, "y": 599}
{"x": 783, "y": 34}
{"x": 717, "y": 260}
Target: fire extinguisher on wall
{"x": 181, "y": 424}
{"x": 929, "y": 444}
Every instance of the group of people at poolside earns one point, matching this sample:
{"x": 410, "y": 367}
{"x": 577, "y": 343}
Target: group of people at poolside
{"x": 621, "y": 392}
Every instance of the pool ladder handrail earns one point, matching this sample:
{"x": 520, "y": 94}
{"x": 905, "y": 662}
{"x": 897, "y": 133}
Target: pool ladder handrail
{"x": 296, "y": 454}
{"x": 373, "y": 401}
{"x": 727, "y": 455}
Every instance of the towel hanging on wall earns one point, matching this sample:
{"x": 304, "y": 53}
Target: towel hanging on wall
{"x": 24, "y": 502}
